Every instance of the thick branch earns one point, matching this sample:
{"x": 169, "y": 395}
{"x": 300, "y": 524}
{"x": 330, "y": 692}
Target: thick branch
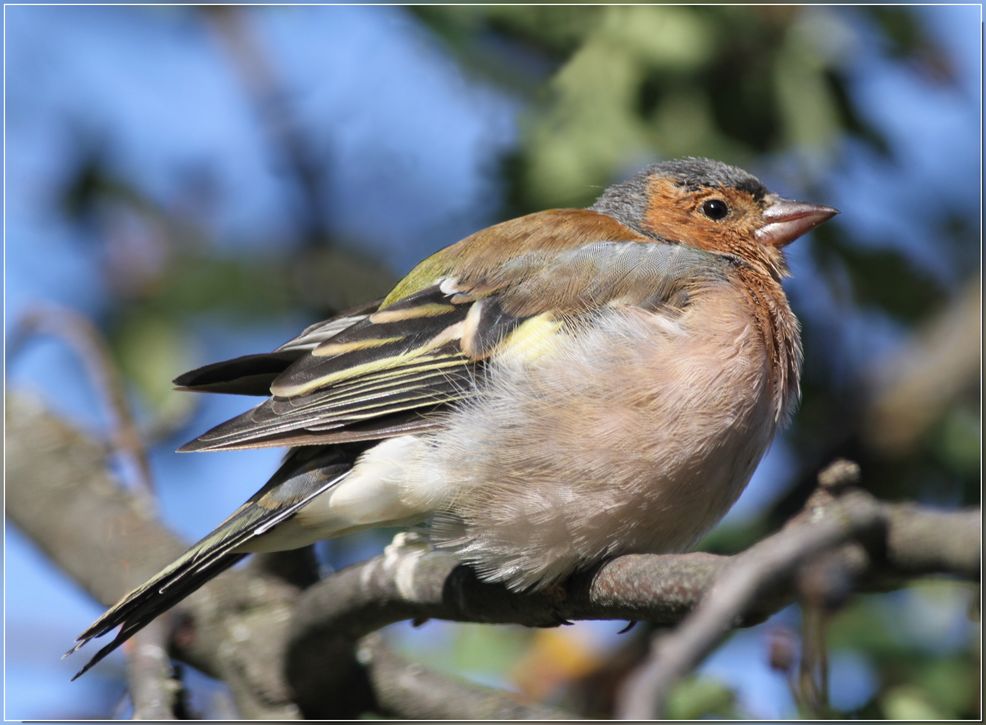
{"x": 56, "y": 475}
{"x": 411, "y": 582}
{"x": 925, "y": 541}
{"x": 150, "y": 676}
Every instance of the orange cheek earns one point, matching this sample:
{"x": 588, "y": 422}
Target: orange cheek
{"x": 673, "y": 227}
{"x": 684, "y": 228}
{"x": 668, "y": 212}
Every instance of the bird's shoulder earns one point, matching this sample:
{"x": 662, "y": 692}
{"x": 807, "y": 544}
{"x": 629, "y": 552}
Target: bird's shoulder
{"x": 560, "y": 261}
{"x": 481, "y": 254}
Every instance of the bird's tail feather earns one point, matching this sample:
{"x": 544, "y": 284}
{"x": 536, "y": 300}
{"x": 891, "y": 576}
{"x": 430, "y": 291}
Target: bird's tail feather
{"x": 142, "y": 605}
{"x": 305, "y": 474}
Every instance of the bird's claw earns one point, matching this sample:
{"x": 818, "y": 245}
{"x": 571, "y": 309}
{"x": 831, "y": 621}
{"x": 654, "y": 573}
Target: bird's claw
{"x": 558, "y": 594}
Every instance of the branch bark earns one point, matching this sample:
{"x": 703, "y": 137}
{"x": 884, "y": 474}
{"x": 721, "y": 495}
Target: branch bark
{"x": 154, "y": 689}
{"x": 412, "y": 691}
{"x": 60, "y": 494}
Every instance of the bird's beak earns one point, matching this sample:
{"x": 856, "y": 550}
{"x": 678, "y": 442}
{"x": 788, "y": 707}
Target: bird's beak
{"x": 786, "y": 220}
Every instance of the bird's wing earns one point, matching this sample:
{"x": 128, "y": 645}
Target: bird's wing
{"x": 379, "y": 378}
{"x": 390, "y": 373}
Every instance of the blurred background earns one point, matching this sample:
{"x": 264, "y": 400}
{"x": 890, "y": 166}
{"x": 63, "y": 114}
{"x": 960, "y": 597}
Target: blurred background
{"x": 203, "y": 182}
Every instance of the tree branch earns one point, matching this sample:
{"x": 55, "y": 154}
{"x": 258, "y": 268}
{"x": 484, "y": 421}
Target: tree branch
{"x": 284, "y": 654}
{"x": 411, "y": 691}
{"x": 826, "y": 523}
{"x": 88, "y": 344}
{"x": 154, "y": 689}
{"x": 940, "y": 363}
{"x": 60, "y": 494}
{"x": 411, "y": 582}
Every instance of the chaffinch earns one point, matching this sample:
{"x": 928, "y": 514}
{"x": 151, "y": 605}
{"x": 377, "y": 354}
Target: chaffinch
{"x": 551, "y": 391}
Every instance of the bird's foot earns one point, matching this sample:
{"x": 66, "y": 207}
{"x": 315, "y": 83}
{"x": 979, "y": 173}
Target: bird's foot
{"x": 557, "y": 594}
{"x": 407, "y": 542}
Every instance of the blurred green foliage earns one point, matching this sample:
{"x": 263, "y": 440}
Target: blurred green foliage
{"x": 628, "y": 84}
{"x": 916, "y": 682}
{"x": 701, "y": 698}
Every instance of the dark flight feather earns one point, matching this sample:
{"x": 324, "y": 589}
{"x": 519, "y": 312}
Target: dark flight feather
{"x": 246, "y": 375}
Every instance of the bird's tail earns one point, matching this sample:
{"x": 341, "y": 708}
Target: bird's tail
{"x": 305, "y": 473}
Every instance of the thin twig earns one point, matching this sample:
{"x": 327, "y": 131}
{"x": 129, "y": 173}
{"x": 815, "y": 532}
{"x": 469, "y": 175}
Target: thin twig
{"x": 761, "y": 567}
{"x": 154, "y": 687}
{"x": 412, "y": 691}
{"x": 268, "y": 95}
{"x": 88, "y": 343}
{"x": 811, "y": 690}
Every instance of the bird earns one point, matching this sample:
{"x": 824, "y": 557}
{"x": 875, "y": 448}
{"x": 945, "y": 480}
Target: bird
{"x": 547, "y": 393}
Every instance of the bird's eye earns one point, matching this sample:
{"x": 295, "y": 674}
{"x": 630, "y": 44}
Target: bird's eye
{"x": 715, "y": 209}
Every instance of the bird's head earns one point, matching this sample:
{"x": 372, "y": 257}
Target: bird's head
{"x": 714, "y": 206}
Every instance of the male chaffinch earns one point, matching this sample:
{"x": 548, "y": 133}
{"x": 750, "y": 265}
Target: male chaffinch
{"x": 548, "y": 392}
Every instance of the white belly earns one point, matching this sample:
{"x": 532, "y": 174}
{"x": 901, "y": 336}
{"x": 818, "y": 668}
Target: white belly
{"x": 637, "y": 439}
